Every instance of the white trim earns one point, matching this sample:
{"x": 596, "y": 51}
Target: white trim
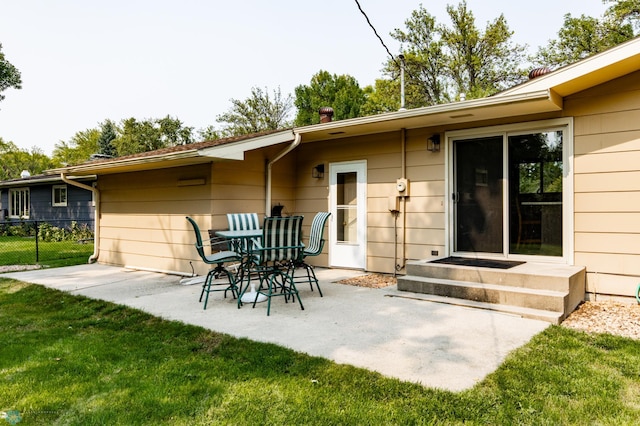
{"x": 565, "y": 124}
{"x": 608, "y": 60}
{"x": 236, "y": 150}
{"x": 26, "y": 209}
{"x": 53, "y": 195}
{"x": 360, "y": 253}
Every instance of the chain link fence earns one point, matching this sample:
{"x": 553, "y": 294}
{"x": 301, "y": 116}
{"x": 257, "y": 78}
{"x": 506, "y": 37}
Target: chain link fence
{"x": 45, "y": 242}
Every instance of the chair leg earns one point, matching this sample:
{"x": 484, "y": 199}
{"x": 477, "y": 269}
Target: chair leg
{"x": 206, "y": 287}
{"x": 215, "y": 273}
{"x": 311, "y": 274}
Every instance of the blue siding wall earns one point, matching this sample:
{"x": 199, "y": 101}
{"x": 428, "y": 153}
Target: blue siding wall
{"x": 79, "y": 203}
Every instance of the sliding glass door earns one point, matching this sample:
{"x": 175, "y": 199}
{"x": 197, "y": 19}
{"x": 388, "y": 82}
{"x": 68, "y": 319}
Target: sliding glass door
{"x": 507, "y": 193}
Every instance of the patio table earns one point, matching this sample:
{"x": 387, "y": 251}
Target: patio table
{"x": 236, "y": 236}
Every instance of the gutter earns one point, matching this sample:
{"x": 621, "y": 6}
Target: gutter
{"x": 96, "y": 219}
{"x": 294, "y": 144}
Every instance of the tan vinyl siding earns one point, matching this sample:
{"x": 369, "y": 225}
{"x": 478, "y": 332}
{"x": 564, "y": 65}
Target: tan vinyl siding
{"x": 143, "y": 213}
{"x": 607, "y": 184}
{"x": 383, "y": 154}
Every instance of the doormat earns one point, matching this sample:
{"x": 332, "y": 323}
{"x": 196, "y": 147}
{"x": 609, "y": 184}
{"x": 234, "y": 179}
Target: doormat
{"x": 480, "y": 263}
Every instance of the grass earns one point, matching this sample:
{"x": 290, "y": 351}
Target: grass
{"x": 76, "y": 361}
{"x": 22, "y": 251}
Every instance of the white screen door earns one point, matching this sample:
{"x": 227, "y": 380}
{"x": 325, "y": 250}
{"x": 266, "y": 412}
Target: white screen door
{"x": 348, "y": 230}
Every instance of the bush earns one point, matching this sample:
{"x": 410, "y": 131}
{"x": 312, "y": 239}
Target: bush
{"x": 50, "y": 233}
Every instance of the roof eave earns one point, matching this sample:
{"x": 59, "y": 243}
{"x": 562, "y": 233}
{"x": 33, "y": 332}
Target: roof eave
{"x": 227, "y": 151}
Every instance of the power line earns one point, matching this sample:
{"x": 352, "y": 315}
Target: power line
{"x": 376, "y": 33}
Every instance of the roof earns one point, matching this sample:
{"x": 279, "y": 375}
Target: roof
{"x": 232, "y": 148}
{"x": 39, "y": 180}
{"x": 608, "y": 65}
{"x": 539, "y": 95}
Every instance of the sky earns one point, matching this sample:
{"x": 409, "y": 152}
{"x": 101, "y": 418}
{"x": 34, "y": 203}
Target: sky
{"x": 83, "y": 62}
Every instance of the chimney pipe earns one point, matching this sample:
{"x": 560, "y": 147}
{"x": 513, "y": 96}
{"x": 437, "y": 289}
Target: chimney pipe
{"x": 326, "y": 114}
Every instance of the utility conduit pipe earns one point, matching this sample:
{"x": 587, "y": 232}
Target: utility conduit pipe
{"x": 296, "y": 141}
{"x": 96, "y": 213}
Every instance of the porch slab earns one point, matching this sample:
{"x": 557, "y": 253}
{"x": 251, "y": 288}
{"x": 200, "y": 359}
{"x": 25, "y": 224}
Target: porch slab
{"x": 434, "y": 344}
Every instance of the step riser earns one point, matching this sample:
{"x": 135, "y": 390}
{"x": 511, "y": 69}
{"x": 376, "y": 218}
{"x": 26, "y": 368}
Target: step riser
{"x": 492, "y": 276}
{"x": 480, "y": 294}
{"x": 555, "y": 289}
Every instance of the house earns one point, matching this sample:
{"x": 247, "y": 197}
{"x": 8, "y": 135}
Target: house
{"x": 546, "y": 174}
{"x": 46, "y": 198}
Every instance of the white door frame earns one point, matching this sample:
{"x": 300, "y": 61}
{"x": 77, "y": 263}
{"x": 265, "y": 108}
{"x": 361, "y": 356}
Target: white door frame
{"x": 348, "y": 254}
{"x": 566, "y": 123}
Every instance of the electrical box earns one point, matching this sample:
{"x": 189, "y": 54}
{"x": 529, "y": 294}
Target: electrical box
{"x": 402, "y": 186}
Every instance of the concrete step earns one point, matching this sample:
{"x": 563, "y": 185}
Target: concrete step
{"x": 532, "y": 290}
{"x": 528, "y": 275}
{"x": 536, "y": 314}
{"x": 546, "y": 300}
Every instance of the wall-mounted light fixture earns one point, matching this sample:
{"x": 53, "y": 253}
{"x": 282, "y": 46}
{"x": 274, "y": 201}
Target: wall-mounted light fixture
{"x": 318, "y": 171}
{"x": 433, "y": 143}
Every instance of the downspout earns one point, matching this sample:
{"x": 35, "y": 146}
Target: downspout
{"x": 403, "y": 171}
{"x": 96, "y": 219}
{"x": 294, "y": 144}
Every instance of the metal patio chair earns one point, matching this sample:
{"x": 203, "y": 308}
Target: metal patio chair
{"x": 218, "y": 258}
{"x": 240, "y": 222}
{"x": 280, "y": 245}
{"x": 313, "y": 248}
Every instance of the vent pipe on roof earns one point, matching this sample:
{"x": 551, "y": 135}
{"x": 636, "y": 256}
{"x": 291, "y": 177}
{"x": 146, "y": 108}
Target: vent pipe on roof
{"x": 326, "y": 114}
{"x": 537, "y": 72}
{"x": 401, "y": 57}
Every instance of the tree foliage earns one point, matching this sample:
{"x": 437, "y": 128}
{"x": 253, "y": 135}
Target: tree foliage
{"x": 340, "y": 92}
{"x": 257, "y": 113}
{"x": 105, "y": 141}
{"x": 14, "y": 160}
{"x": 585, "y": 35}
{"x": 132, "y": 136}
{"x": 9, "y": 75}
{"x": 148, "y": 135}
{"x": 444, "y": 62}
{"x": 78, "y": 149}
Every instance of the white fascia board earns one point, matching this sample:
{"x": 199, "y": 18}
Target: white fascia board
{"x": 450, "y": 108}
{"x": 236, "y": 150}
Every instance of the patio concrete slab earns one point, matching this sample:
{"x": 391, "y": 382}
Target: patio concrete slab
{"x": 437, "y": 345}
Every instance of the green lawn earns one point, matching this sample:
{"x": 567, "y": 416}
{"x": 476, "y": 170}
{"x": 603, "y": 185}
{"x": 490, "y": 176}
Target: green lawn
{"x": 22, "y": 251}
{"x": 70, "y": 360}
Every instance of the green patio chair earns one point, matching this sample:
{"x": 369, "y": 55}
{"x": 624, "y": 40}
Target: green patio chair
{"x": 280, "y": 245}
{"x": 313, "y": 248}
{"x": 218, "y": 258}
{"x": 240, "y": 222}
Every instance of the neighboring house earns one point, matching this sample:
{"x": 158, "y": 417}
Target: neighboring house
{"x": 46, "y": 198}
{"x": 547, "y": 173}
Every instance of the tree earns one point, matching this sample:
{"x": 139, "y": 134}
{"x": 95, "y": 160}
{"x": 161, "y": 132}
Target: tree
{"x": 9, "y": 75}
{"x": 341, "y": 92}
{"x": 257, "y": 113}
{"x": 105, "y": 141}
{"x": 443, "y": 63}
{"x": 586, "y": 35}
{"x": 209, "y": 133}
{"x": 481, "y": 63}
{"x": 148, "y": 135}
{"x": 78, "y": 149}
{"x": 14, "y": 160}
{"x": 624, "y": 12}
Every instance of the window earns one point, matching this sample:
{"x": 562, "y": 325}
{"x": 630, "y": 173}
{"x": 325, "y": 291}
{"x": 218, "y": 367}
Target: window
{"x": 19, "y": 203}
{"x": 59, "y": 196}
